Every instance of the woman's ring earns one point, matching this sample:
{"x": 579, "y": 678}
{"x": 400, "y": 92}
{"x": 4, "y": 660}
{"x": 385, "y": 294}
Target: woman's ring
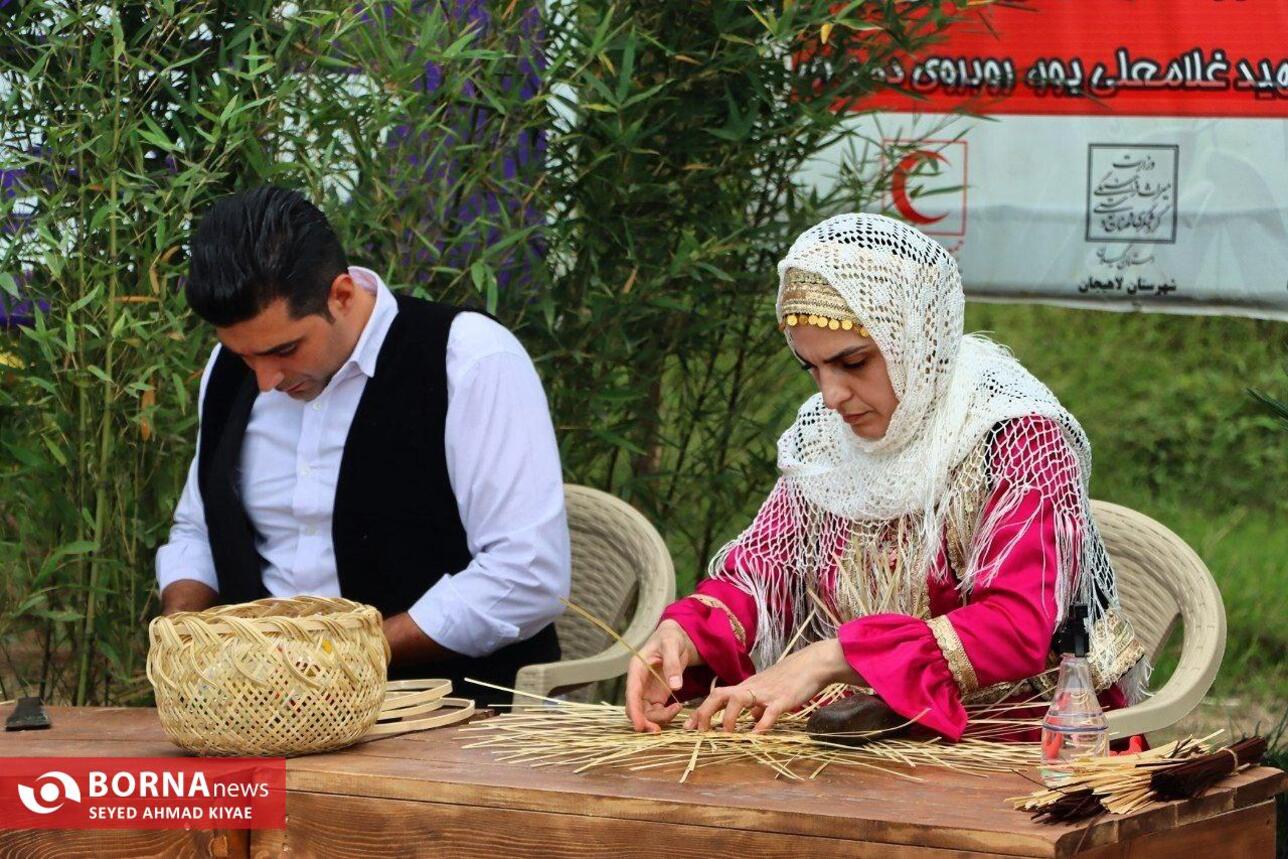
{"x": 753, "y": 697}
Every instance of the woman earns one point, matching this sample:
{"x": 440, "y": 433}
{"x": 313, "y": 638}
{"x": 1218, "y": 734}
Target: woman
{"x": 930, "y": 527}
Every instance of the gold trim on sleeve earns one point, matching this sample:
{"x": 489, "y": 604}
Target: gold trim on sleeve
{"x": 1114, "y": 649}
{"x": 738, "y": 632}
{"x": 954, "y": 654}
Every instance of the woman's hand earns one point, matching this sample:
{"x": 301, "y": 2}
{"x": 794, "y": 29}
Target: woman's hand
{"x": 778, "y": 689}
{"x": 668, "y": 651}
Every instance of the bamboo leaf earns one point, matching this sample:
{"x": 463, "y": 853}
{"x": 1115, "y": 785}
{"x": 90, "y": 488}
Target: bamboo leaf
{"x": 55, "y": 451}
{"x": 61, "y": 615}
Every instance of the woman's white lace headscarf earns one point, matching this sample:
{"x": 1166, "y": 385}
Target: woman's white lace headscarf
{"x": 854, "y": 524}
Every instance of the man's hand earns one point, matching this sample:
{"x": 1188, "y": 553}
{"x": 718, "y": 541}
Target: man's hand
{"x": 668, "y": 652}
{"x": 408, "y": 644}
{"x": 187, "y": 595}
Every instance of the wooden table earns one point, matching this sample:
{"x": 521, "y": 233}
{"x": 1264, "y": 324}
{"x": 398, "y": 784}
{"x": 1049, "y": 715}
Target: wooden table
{"x": 425, "y": 794}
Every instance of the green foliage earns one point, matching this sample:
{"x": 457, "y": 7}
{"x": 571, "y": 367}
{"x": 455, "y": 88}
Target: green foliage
{"x": 678, "y": 194}
{"x": 1277, "y": 408}
{"x": 672, "y": 133}
{"x": 120, "y": 121}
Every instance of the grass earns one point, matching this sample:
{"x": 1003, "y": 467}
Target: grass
{"x": 1247, "y": 552}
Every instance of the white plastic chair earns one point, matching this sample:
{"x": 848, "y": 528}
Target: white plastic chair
{"x": 618, "y": 561}
{"x": 1160, "y": 581}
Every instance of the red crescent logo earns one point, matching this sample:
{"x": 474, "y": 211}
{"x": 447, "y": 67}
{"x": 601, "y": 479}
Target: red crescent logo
{"x": 899, "y": 186}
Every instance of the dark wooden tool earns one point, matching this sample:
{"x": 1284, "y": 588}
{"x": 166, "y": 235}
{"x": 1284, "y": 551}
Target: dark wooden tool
{"x": 28, "y": 715}
{"x": 858, "y": 719}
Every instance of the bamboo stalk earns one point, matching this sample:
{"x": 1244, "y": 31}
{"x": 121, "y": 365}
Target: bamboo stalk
{"x": 105, "y": 422}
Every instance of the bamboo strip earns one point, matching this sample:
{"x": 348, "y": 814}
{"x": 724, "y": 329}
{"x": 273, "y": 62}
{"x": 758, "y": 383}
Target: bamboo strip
{"x": 587, "y": 737}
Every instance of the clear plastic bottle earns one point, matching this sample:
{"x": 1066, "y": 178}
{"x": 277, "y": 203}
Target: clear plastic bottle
{"x": 1074, "y": 726}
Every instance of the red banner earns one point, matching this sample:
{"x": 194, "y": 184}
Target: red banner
{"x": 142, "y": 793}
{"x": 1214, "y": 58}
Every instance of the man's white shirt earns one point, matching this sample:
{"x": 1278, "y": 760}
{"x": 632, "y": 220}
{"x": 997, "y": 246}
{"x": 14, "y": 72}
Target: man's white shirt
{"x": 502, "y": 461}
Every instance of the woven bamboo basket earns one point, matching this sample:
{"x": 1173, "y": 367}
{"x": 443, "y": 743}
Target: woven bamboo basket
{"x": 285, "y": 677}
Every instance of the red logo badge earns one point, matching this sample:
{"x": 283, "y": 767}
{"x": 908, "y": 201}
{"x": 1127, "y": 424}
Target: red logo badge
{"x": 142, "y": 793}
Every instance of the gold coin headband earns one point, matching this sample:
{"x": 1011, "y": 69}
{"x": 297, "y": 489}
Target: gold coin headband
{"x": 808, "y": 299}
{"x": 792, "y": 320}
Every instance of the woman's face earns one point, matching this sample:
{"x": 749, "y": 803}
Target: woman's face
{"x": 851, "y": 374}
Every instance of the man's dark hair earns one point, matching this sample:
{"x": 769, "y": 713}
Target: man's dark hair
{"x": 258, "y": 246}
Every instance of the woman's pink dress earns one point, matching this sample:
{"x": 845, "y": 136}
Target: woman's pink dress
{"x": 1004, "y": 632}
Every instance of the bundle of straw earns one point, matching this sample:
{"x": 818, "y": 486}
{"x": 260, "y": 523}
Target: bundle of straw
{"x": 591, "y": 736}
{"x": 1193, "y": 777}
{"x": 1126, "y": 783}
{"x": 599, "y": 736}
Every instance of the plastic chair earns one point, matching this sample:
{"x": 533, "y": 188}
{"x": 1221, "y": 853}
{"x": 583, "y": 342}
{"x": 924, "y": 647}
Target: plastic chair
{"x": 1160, "y": 581}
{"x": 619, "y": 562}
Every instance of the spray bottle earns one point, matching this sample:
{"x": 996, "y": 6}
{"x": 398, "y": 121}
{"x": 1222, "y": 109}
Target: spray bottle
{"x": 1074, "y": 726}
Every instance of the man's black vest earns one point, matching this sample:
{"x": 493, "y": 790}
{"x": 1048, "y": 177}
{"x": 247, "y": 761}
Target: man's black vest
{"x": 395, "y": 525}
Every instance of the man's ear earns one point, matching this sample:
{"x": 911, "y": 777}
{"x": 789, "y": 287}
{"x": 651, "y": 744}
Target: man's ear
{"x": 343, "y": 289}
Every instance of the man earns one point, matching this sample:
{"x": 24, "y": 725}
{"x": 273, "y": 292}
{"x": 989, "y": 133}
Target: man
{"x": 353, "y": 443}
